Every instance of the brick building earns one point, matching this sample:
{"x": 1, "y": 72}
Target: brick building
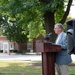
{"x": 5, "y": 44}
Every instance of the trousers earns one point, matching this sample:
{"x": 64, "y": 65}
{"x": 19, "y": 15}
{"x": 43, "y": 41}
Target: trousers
{"x": 62, "y": 69}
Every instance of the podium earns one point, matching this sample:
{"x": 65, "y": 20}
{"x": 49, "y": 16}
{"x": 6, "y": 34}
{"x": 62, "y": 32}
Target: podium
{"x": 48, "y": 50}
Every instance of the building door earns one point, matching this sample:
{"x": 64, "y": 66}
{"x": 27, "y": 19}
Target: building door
{"x": 5, "y": 47}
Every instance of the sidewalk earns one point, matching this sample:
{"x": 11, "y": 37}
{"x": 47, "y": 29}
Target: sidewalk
{"x": 73, "y": 58}
{"x": 20, "y": 57}
{"x": 26, "y": 57}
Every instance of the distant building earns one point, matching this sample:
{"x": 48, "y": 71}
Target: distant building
{"x": 6, "y": 45}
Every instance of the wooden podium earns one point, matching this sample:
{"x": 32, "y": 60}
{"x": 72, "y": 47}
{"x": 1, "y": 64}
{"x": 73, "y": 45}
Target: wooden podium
{"x": 48, "y": 50}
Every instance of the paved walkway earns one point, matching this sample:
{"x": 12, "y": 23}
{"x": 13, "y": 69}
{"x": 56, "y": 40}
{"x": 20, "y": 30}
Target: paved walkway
{"x": 73, "y": 57}
{"x": 26, "y": 57}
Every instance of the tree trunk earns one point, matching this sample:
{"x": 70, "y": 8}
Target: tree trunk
{"x": 66, "y": 12}
{"x": 20, "y": 48}
{"x": 49, "y": 19}
{"x": 49, "y": 24}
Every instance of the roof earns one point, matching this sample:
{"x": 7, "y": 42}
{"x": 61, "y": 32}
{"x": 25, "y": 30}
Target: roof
{"x": 3, "y": 38}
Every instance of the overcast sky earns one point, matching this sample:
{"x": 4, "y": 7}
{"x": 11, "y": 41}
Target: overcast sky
{"x": 72, "y": 10}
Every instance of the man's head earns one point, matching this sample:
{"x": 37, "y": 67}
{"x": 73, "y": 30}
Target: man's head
{"x": 58, "y": 28}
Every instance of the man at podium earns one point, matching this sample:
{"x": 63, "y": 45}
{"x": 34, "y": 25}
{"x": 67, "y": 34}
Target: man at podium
{"x": 62, "y": 58}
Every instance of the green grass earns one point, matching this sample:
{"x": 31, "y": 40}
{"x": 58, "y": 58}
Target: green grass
{"x": 24, "y": 68}
{"x": 19, "y": 68}
{"x": 72, "y": 70}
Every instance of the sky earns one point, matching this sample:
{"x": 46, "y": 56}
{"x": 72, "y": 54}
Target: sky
{"x": 72, "y": 10}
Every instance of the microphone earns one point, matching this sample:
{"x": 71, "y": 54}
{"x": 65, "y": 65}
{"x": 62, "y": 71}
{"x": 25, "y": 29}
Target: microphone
{"x": 47, "y": 37}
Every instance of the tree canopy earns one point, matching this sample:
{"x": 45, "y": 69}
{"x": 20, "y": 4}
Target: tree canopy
{"x": 36, "y": 15}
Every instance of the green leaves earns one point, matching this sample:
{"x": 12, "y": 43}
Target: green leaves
{"x": 51, "y": 6}
{"x": 29, "y": 14}
{"x": 35, "y": 28}
{"x": 59, "y": 12}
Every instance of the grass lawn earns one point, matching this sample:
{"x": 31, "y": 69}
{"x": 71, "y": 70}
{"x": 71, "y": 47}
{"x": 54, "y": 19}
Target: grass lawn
{"x": 24, "y": 68}
{"x": 19, "y": 68}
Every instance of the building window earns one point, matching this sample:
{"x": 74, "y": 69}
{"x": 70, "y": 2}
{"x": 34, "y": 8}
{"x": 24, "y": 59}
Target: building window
{"x": 11, "y": 46}
{"x": 30, "y": 45}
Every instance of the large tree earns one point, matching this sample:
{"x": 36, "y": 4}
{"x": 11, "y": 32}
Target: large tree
{"x": 37, "y": 13}
{"x": 55, "y": 13}
{"x": 13, "y": 31}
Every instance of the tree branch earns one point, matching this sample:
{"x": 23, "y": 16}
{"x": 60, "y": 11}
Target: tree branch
{"x": 44, "y": 1}
{"x": 66, "y": 12}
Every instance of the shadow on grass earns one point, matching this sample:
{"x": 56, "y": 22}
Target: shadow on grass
{"x": 32, "y": 68}
{"x": 18, "y": 74}
{"x": 20, "y": 69}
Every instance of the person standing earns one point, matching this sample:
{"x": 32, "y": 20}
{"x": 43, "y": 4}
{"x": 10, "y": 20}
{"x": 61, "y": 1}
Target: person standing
{"x": 62, "y": 58}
